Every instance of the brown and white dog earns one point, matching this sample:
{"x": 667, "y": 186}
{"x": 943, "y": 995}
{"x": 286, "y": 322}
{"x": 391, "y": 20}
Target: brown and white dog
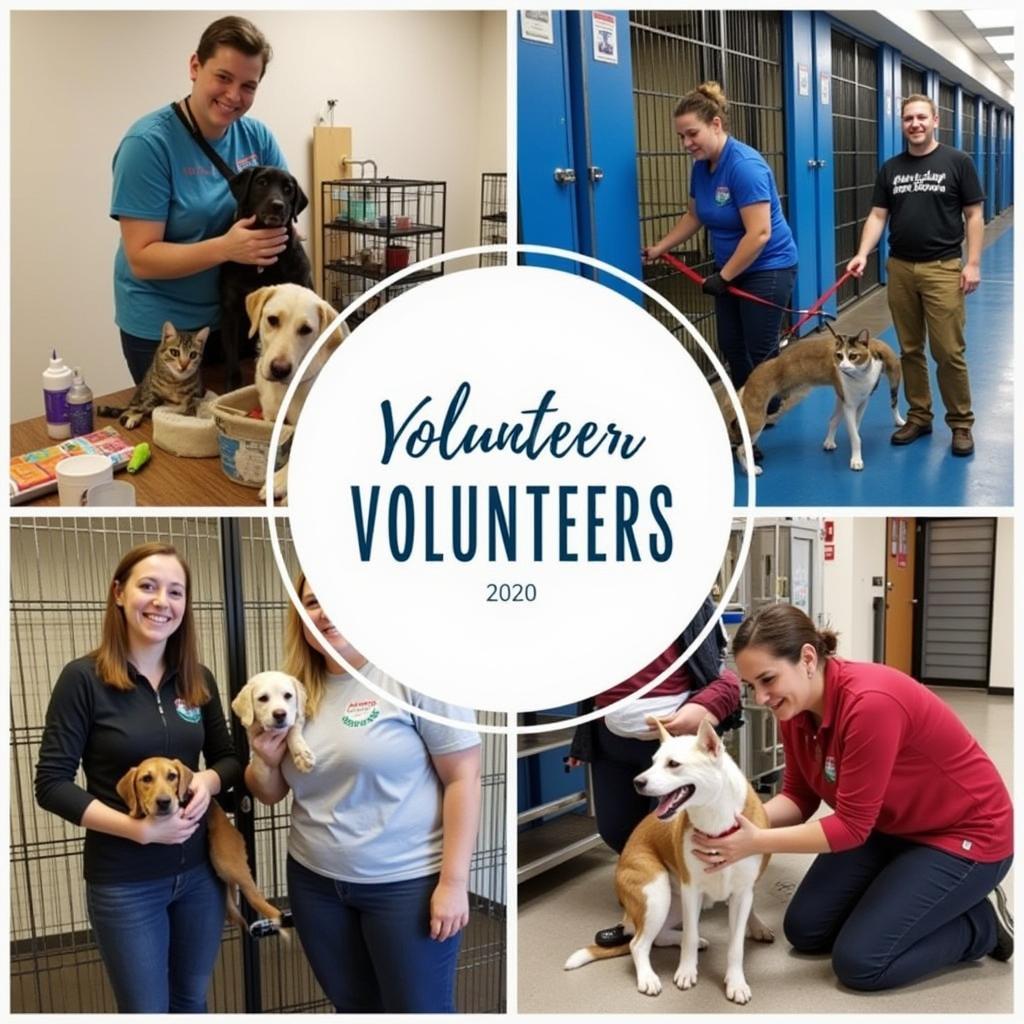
{"x": 274, "y": 701}
{"x": 700, "y": 788}
{"x": 156, "y": 788}
{"x": 288, "y": 319}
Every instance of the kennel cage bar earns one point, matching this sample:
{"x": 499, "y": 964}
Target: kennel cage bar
{"x": 493, "y": 215}
{"x": 740, "y": 49}
{"x": 373, "y": 227}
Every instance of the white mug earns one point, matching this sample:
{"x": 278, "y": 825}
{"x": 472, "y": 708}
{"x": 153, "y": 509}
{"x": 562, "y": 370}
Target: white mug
{"x": 77, "y": 473}
{"x": 113, "y": 493}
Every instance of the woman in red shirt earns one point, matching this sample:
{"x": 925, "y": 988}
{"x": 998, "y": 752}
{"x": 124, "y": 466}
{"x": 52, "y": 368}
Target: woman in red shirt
{"x": 922, "y": 826}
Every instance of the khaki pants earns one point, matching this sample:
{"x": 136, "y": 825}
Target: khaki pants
{"x": 927, "y": 296}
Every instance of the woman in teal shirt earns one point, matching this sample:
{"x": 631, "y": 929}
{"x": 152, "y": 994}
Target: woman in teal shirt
{"x": 175, "y": 207}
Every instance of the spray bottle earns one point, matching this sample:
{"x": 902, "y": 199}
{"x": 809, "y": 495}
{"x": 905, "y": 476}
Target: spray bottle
{"x": 80, "y": 413}
{"x": 56, "y": 384}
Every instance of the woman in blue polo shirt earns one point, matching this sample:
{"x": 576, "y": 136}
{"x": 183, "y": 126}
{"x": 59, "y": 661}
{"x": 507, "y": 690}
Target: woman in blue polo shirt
{"x": 734, "y": 196}
{"x": 174, "y": 206}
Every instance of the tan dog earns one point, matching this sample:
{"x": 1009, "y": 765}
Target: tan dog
{"x": 700, "y": 788}
{"x": 288, "y": 319}
{"x": 156, "y": 788}
{"x": 274, "y": 701}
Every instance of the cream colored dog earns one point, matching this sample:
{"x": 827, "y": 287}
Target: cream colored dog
{"x": 288, "y": 319}
{"x": 273, "y": 701}
{"x": 699, "y": 787}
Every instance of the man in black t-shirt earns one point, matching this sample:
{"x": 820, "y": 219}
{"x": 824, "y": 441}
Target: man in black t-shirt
{"x": 928, "y": 194}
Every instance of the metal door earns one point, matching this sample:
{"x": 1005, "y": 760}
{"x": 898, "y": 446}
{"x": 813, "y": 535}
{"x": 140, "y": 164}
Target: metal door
{"x": 547, "y": 181}
{"x": 855, "y": 155}
{"x": 900, "y": 564}
{"x": 956, "y": 601}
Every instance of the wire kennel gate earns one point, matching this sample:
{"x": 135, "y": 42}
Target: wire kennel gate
{"x": 60, "y": 570}
{"x": 854, "y": 155}
{"x": 672, "y": 53}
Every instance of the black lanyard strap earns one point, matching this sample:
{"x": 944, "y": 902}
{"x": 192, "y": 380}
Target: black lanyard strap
{"x": 193, "y": 129}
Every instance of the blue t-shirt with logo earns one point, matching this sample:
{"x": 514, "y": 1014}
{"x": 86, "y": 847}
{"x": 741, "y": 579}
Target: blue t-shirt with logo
{"x": 741, "y": 178}
{"x": 161, "y": 174}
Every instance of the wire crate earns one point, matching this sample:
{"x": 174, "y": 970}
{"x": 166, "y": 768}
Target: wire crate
{"x": 493, "y": 216}
{"x": 375, "y": 227}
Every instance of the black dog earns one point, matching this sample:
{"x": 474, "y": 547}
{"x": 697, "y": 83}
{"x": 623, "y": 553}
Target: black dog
{"x": 274, "y": 198}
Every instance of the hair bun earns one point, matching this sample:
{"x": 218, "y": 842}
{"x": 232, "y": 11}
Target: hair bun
{"x": 829, "y": 640}
{"x": 714, "y": 92}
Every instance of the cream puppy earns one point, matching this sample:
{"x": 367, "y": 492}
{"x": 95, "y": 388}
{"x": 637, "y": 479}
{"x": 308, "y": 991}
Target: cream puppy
{"x": 273, "y": 701}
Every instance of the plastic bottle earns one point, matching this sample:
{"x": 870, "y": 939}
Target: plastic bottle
{"x": 80, "y": 412}
{"x": 56, "y": 384}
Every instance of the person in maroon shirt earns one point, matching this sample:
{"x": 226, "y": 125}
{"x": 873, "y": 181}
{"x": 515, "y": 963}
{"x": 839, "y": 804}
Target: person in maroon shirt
{"x": 921, "y": 832}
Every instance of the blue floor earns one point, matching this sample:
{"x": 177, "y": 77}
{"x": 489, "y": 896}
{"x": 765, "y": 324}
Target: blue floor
{"x": 798, "y": 473}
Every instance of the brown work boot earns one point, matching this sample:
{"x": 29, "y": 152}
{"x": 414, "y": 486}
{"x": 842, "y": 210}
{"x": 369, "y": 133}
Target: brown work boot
{"x": 910, "y": 431}
{"x": 963, "y": 442}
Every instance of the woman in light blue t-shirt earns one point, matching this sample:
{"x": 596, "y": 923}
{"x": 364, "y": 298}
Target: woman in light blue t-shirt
{"x": 382, "y": 832}
{"x": 174, "y": 206}
{"x": 733, "y": 194}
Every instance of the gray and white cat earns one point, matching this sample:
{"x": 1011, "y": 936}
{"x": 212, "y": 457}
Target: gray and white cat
{"x": 851, "y": 364}
{"x": 172, "y": 378}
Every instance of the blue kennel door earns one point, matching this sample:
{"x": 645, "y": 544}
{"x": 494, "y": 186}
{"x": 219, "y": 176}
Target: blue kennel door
{"x": 547, "y": 172}
{"x": 604, "y": 135}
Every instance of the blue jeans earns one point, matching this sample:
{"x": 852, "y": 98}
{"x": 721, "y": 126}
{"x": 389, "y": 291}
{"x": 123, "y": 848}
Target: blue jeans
{"x": 159, "y": 940}
{"x": 138, "y": 353}
{"x": 892, "y": 911}
{"x": 369, "y": 943}
{"x": 748, "y": 333}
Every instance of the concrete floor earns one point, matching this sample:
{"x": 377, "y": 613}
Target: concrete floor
{"x": 560, "y": 910}
{"x": 798, "y": 473}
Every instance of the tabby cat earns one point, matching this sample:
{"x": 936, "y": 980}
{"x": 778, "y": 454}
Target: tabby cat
{"x": 172, "y": 378}
{"x": 851, "y": 365}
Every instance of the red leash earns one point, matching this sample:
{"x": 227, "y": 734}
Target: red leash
{"x": 805, "y": 314}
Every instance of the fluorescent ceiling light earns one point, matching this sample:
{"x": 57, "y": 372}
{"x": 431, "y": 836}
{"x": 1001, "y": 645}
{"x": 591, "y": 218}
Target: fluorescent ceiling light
{"x": 1001, "y": 44}
{"x": 992, "y": 17}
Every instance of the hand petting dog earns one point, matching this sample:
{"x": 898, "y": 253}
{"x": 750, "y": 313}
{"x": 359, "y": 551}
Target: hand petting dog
{"x": 720, "y": 852}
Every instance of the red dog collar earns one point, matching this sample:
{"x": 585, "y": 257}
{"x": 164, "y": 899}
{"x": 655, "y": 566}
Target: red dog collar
{"x": 721, "y": 835}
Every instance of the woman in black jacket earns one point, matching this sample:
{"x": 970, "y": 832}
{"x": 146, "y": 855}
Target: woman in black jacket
{"x": 156, "y": 907}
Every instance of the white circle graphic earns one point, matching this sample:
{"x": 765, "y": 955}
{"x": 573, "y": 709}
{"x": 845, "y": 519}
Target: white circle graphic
{"x": 511, "y": 488}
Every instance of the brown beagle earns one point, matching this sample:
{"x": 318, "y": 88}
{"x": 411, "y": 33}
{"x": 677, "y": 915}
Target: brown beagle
{"x": 156, "y": 788}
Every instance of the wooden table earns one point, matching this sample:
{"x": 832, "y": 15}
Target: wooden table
{"x": 166, "y": 479}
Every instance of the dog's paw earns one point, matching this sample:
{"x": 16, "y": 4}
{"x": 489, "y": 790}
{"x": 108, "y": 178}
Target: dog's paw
{"x": 898, "y": 420}
{"x": 759, "y": 931}
{"x": 648, "y": 982}
{"x": 736, "y": 987}
{"x": 304, "y": 759}
{"x": 856, "y": 464}
{"x": 685, "y": 976}
{"x": 757, "y": 471}
{"x": 829, "y": 444}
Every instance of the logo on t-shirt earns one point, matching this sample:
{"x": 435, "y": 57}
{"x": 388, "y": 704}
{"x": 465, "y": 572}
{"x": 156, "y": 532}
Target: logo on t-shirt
{"x": 187, "y": 712}
{"x": 249, "y": 160}
{"x": 360, "y": 713}
{"x": 929, "y": 181}
{"x": 830, "y": 768}
{"x": 722, "y": 195}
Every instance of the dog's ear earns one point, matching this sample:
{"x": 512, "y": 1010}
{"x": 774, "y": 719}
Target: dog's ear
{"x": 657, "y": 723}
{"x": 300, "y": 702}
{"x": 242, "y": 706}
{"x": 301, "y": 202}
{"x": 240, "y": 185}
{"x": 254, "y": 303}
{"x": 184, "y": 779}
{"x": 707, "y": 739}
{"x": 327, "y": 314}
{"x": 126, "y": 791}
